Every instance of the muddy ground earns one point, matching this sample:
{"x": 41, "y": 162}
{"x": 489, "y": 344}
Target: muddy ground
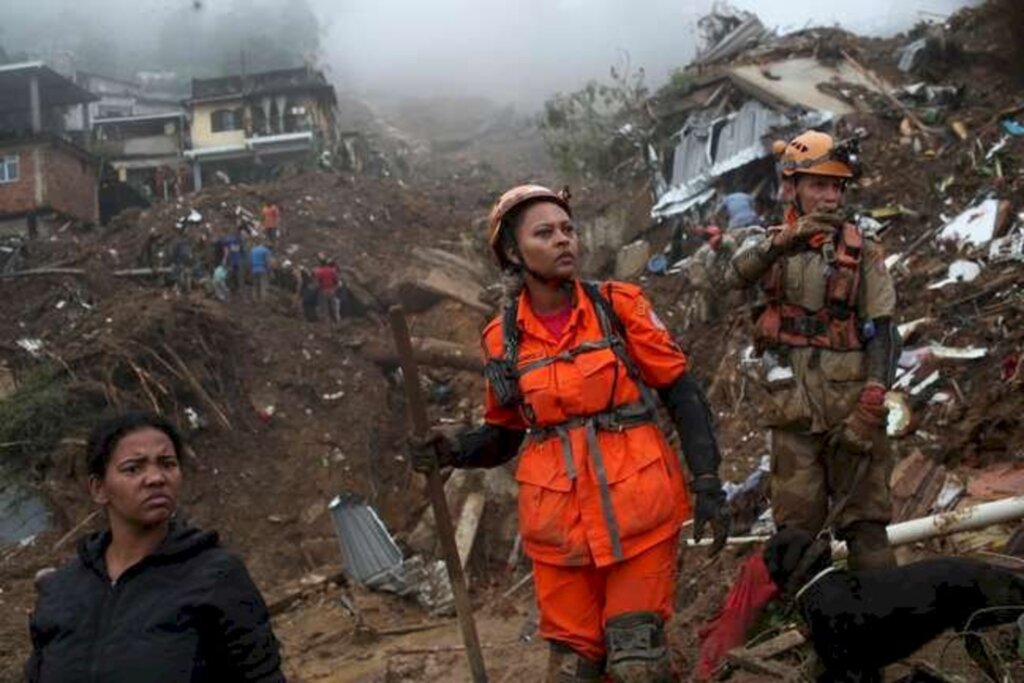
{"x": 338, "y": 421}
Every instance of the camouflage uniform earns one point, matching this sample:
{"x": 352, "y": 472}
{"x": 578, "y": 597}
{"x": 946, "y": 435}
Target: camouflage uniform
{"x": 811, "y": 391}
{"x": 707, "y": 271}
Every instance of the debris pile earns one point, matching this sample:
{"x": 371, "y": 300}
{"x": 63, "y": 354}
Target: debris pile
{"x": 283, "y": 414}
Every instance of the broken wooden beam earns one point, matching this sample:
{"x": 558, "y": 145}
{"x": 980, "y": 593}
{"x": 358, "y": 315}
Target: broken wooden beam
{"x": 429, "y": 352}
{"x": 410, "y": 628}
{"x": 142, "y": 272}
{"x": 289, "y": 596}
{"x": 468, "y": 525}
{"x": 783, "y": 642}
{"x": 42, "y": 271}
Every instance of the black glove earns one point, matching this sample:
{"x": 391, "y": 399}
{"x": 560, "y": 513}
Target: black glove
{"x": 710, "y": 508}
{"x": 435, "y": 450}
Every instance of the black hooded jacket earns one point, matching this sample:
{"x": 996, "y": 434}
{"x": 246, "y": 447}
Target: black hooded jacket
{"x": 188, "y": 613}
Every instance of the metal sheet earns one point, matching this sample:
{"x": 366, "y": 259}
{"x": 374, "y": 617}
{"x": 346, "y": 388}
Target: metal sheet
{"x": 709, "y": 149}
{"x": 368, "y": 551}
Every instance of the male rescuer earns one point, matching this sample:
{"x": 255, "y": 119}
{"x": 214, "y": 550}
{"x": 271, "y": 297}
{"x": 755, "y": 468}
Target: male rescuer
{"x": 828, "y": 341}
{"x": 572, "y": 371}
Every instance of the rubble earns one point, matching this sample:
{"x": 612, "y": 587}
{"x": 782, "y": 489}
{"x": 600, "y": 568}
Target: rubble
{"x": 313, "y": 409}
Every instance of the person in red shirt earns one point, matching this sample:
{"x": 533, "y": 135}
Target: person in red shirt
{"x": 271, "y": 220}
{"x": 573, "y": 370}
{"x": 326, "y": 276}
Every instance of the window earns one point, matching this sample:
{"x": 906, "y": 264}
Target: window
{"x": 226, "y": 119}
{"x": 9, "y": 168}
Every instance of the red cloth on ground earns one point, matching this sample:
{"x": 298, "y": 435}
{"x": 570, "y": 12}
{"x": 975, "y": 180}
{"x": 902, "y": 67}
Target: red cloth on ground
{"x": 752, "y": 590}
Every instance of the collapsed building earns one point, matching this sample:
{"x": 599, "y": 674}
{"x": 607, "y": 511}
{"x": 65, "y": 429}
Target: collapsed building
{"x": 747, "y": 89}
{"x": 242, "y": 124}
{"x": 45, "y": 178}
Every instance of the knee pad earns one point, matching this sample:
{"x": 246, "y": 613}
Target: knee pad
{"x": 565, "y": 665}
{"x": 637, "y": 649}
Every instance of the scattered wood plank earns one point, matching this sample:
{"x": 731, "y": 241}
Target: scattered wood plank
{"x": 439, "y": 649}
{"x": 779, "y": 644}
{"x": 429, "y": 352}
{"x": 744, "y": 660}
{"x": 194, "y": 383}
{"x": 411, "y": 628}
{"x": 519, "y": 584}
{"x": 293, "y": 593}
{"x": 757, "y": 659}
{"x": 33, "y": 272}
{"x": 916, "y": 483}
{"x": 999, "y": 284}
{"x": 928, "y": 132}
{"x": 468, "y": 525}
{"x": 75, "y": 529}
{"x": 142, "y": 272}
{"x": 462, "y": 290}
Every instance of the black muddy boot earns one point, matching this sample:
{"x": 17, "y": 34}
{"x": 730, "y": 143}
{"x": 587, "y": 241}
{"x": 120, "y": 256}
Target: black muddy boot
{"x": 637, "y": 649}
{"x": 565, "y": 665}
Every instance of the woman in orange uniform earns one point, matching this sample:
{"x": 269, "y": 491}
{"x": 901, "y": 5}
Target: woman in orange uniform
{"x": 572, "y": 371}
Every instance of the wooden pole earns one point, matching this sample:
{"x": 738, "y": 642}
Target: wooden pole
{"x": 435, "y": 490}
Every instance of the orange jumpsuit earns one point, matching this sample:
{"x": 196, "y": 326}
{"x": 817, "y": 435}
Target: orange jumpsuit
{"x": 600, "y": 505}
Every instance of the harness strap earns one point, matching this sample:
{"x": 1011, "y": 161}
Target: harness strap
{"x": 566, "y": 356}
{"x": 617, "y": 420}
{"x": 614, "y": 330}
{"x": 606, "y": 495}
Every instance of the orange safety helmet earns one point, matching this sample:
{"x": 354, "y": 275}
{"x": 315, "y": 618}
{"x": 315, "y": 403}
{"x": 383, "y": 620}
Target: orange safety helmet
{"x": 814, "y": 153}
{"x": 509, "y": 201}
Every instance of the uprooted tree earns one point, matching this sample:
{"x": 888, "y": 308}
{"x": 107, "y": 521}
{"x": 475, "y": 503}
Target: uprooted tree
{"x": 599, "y": 131}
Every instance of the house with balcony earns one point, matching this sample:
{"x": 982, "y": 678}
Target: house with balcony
{"x": 246, "y": 125}
{"x": 45, "y": 178}
{"x": 146, "y": 151}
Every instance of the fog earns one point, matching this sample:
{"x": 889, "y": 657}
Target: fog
{"x": 524, "y": 50}
{"x": 518, "y": 51}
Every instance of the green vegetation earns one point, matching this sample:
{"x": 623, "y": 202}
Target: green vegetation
{"x": 39, "y": 413}
{"x": 597, "y": 131}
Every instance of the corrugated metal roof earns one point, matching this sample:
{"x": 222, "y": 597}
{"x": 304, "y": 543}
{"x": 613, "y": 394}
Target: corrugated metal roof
{"x": 708, "y": 149}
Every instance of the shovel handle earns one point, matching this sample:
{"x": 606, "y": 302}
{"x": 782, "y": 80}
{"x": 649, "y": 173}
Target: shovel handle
{"x": 435, "y": 490}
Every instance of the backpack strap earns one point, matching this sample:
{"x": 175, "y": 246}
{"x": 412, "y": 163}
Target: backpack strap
{"x": 503, "y": 372}
{"x": 615, "y": 331}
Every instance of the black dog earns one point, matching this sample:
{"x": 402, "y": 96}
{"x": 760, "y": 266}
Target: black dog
{"x": 862, "y": 621}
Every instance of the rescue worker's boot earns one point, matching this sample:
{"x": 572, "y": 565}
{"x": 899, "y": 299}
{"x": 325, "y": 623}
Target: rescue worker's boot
{"x": 869, "y": 546}
{"x": 565, "y": 665}
{"x": 637, "y": 649}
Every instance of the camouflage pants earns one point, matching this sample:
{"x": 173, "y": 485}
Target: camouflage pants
{"x": 808, "y": 477}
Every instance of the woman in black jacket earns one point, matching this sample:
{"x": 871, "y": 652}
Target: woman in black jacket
{"x": 149, "y": 600}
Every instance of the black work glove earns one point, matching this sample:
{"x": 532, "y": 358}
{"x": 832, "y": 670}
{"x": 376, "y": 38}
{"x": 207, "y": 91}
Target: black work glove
{"x": 435, "y": 450}
{"x": 710, "y": 508}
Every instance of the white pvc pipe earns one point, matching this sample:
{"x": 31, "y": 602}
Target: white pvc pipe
{"x": 956, "y": 521}
{"x": 924, "y": 528}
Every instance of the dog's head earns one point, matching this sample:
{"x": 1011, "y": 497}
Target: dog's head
{"x": 783, "y": 551}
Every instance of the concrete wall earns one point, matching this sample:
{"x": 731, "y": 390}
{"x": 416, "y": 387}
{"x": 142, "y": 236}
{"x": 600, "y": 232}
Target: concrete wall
{"x": 71, "y": 185}
{"x": 153, "y": 145}
{"x": 202, "y": 126}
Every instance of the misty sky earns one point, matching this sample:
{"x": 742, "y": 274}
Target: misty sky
{"x": 508, "y": 50}
{"x": 527, "y": 49}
